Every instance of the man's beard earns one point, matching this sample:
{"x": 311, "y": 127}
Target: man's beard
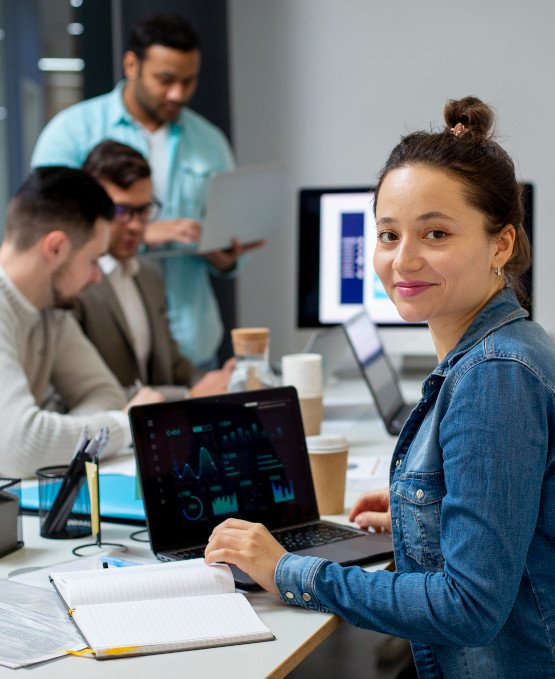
{"x": 60, "y": 301}
{"x": 143, "y": 99}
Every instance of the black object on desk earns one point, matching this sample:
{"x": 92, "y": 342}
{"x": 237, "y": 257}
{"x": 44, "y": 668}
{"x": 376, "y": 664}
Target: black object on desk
{"x": 68, "y": 514}
{"x": 64, "y": 506}
{"x": 11, "y": 529}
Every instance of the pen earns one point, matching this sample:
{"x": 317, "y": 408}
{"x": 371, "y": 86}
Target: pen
{"x": 97, "y": 445}
{"x": 86, "y": 451}
{"x": 81, "y": 442}
{"x": 80, "y": 448}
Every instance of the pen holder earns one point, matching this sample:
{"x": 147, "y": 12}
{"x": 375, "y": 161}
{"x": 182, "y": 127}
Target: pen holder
{"x": 64, "y": 505}
{"x": 11, "y": 528}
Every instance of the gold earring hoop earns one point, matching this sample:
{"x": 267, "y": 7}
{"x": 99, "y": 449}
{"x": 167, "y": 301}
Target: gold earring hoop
{"x": 498, "y": 271}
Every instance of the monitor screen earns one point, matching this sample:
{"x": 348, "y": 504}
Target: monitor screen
{"x": 336, "y": 238}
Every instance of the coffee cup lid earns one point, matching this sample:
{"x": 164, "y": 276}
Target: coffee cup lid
{"x": 326, "y": 443}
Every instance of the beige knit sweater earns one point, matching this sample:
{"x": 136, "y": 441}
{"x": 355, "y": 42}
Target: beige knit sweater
{"x": 40, "y": 350}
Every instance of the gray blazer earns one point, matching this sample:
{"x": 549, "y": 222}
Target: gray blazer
{"x": 101, "y": 317}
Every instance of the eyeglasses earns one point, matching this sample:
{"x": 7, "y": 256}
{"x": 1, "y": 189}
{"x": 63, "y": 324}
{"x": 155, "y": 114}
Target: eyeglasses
{"x": 145, "y": 213}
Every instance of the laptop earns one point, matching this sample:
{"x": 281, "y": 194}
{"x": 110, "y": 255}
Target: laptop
{"x": 239, "y": 455}
{"x": 246, "y": 203}
{"x": 336, "y": 353}
{"x": 377, "y": 371}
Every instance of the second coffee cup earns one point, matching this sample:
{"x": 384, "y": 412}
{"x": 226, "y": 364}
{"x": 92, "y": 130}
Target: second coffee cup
{"x": 328, "y": 463}
{"x": 304, "y": 372}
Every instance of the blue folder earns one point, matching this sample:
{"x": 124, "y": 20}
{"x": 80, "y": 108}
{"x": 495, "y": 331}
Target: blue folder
{"x": 117, "y": 498}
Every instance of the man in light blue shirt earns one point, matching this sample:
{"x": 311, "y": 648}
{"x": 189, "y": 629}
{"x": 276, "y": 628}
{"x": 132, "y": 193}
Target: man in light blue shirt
{"x": 148, "y": 111}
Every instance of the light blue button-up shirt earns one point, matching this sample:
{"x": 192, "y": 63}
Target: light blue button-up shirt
{"x": 198, "y": 150}
{"x": 473, "y": 514}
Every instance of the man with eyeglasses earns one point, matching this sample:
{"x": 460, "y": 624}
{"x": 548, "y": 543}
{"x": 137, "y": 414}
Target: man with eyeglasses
{"x": 124, "y": 315}
{"x": 149, "y": 111}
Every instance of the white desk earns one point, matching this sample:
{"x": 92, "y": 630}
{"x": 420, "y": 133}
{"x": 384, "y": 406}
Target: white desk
{"x": 298, "y": 632}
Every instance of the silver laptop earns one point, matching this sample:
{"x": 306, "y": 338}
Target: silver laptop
{"x": 377, "y": 371}
{"x": 337, "y": 356}
{"x": 236, "y": 455}
{"x": 246, "y": 203}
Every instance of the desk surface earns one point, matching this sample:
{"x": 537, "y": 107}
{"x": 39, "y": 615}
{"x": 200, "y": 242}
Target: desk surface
{"x": 297, "y": 631}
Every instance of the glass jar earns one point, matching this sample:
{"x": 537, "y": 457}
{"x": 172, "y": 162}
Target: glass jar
{"x": 251, "y": 347}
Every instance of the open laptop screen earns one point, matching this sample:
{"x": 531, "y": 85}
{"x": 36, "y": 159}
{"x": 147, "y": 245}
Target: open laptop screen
{"x": 236, "y": 455}
{"x": 368, "y": 350}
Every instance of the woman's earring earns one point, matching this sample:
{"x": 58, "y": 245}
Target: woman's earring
{"x": 498, "y": 270}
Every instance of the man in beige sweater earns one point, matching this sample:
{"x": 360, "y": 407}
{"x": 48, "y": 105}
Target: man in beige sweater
{"x": 56, "y": 229}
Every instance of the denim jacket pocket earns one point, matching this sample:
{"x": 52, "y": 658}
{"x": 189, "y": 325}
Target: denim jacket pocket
{"x": 420, "y": 495}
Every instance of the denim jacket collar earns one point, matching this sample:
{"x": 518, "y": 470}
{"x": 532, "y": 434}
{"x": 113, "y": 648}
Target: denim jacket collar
{"x": 503, "y": 308}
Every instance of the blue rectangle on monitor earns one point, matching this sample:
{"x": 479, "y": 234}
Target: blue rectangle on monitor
{"x": 352, "y": 257}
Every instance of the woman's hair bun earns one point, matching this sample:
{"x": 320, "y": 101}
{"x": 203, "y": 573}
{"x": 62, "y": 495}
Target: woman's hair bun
{"x": 471, "y": 112}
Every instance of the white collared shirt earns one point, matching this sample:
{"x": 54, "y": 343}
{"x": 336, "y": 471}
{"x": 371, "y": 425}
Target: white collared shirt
{"x": 121, "y": 275}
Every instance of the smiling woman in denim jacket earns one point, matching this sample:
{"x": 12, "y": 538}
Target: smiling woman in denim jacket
{"x": 471, "y": 502}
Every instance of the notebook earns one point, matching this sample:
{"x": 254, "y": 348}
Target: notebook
{"x": 236, "y": 455}
{"x": 377, "y": 371}
{"x": 246, "y": 203}
{"x": 158, "y": 608}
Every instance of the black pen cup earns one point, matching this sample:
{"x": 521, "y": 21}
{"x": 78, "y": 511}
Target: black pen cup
{"x": 11, "y": 526}
{"x": 64, "y": 504}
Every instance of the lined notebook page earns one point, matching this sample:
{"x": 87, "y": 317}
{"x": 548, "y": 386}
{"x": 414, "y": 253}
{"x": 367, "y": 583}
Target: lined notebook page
{"x": 171, "y": 624}
{"x": 156, "y": 581}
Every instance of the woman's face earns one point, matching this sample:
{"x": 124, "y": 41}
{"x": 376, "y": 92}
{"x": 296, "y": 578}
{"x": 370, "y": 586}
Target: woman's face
{"x": 433, "y": 254}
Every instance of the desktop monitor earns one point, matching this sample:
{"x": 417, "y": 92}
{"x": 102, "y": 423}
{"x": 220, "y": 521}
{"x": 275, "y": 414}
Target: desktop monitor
{"x": 336, "y": 238}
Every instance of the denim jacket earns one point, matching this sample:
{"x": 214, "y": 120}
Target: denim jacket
{"x": 473, "y": 514}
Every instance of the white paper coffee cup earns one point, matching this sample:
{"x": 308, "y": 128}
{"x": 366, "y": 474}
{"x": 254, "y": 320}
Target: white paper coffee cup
{"x": 304, "y": 372}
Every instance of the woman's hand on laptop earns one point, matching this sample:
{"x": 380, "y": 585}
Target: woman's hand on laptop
{"x": 249, "y": 546}
{"x": 371, "y": 510}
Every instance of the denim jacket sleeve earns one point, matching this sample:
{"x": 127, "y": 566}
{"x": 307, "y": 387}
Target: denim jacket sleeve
{"x": 492, "y": 437}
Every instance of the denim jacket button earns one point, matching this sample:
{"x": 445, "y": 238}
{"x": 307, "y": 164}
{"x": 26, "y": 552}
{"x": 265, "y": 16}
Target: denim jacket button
{"x": 398, "y": 464}
{"x": 289, "y": 595}
{"x": 306, "y": 596}
{"x": 420, "y": 493}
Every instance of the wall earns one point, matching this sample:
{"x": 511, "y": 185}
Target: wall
{"x": 23, "y": 86}
{"x": 328, "y": 86}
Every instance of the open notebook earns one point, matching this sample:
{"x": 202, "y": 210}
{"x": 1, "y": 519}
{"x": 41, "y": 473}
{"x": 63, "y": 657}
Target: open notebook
{"x": 158, "y": 608}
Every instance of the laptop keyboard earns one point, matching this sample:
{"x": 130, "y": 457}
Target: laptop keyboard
{"x": 293, "y": 539}
{"x": 303, "y": 537}
{"x": 188, "y": 553}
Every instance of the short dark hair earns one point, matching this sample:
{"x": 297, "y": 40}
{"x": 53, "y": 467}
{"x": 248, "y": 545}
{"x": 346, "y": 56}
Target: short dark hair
{"x": 117, "y": 163}
{"x": 466, "y": 150}
{"x": 56, "y": 198}
{"x": 168, "y": 30}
